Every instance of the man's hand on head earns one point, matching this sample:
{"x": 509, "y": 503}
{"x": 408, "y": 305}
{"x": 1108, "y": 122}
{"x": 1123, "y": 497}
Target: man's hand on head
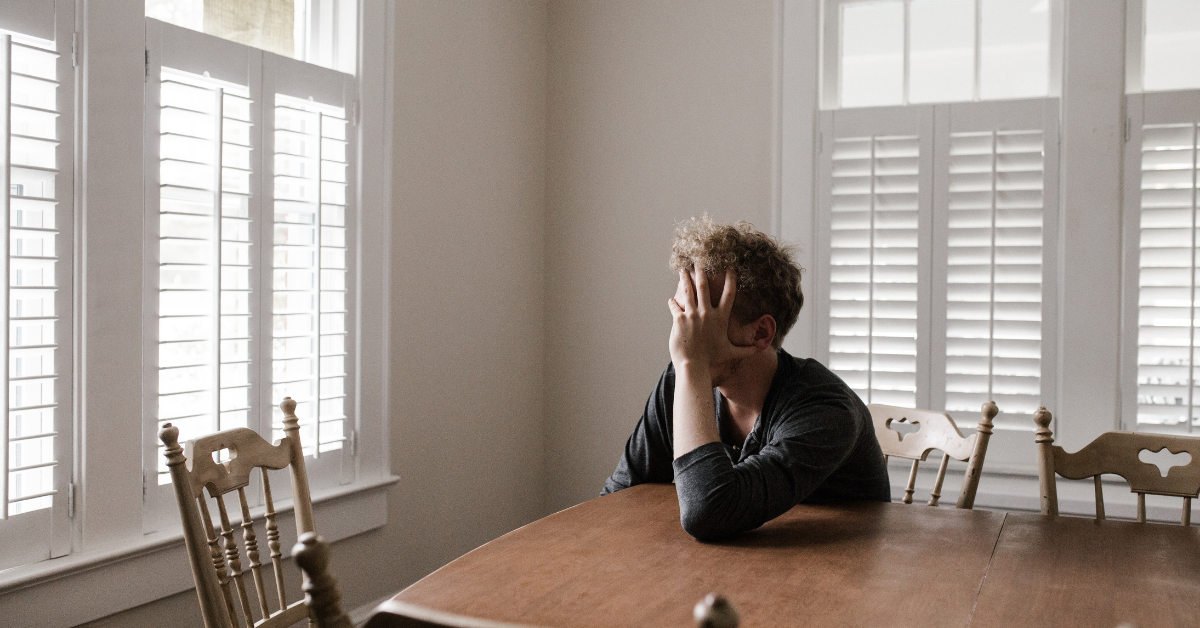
{"x": 700, "y": 329}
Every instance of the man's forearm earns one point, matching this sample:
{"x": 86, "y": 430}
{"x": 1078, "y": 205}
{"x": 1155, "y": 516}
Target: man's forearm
{"x": 693, "y": 414}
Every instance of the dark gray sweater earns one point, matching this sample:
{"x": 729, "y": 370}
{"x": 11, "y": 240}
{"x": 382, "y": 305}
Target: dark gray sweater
{"x": 813, "y": 442}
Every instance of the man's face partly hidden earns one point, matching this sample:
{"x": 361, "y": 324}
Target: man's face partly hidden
{"x": 739, "y": 334}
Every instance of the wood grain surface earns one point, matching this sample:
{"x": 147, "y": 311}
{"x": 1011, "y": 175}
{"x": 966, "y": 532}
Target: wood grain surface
{"x": 624, "y": 560}
{"x": 1069, "y": 571}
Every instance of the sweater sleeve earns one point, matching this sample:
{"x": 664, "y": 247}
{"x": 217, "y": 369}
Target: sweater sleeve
{"x": 718, "y": 498}
{"x": 648, "y": 452}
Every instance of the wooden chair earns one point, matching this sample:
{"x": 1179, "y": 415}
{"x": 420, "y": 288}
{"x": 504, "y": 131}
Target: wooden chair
{"x": 221, "y": 582}
{"x": 714, "y": 611}
{"x": 934, "y": 430}
{"x": 1117, "y": 453}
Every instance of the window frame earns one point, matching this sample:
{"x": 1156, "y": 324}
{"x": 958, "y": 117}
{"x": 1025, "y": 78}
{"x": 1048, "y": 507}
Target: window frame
{"x": 107, "y": 540}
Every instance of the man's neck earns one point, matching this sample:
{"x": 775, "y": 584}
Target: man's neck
{"x": 747, "y": 388}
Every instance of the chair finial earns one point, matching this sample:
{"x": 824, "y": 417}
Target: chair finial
{"x": 320, "y": 588}
{"x": 714, "y": 611}
{"x": 989, "y": 410}
{"x": 1043, "y": 418}
{"x": 169, "y": 435}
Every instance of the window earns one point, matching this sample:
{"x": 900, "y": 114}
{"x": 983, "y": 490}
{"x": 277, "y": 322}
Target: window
{"x": 249, "y": 199}
{"x": 36, "y": 168}
{"x": 322, "y": 32}
{"x": 1171, "y": 44}
{"x": 1160, "y": 348}
{"x": 892, "y": 52}
{"x": 936, "y": 223}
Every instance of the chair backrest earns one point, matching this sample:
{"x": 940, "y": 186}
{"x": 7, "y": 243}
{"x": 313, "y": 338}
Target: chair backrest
{"x": 911, "y": 434}
{"x": 213, "y": 550}
{"x": 1117, "y": 453}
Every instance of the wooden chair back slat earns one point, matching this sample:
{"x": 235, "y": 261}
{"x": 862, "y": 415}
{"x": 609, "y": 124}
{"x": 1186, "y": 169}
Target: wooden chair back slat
{"x": 234, "y": 561}
{"x": 273, "y": 541}
{"x": 936, "y": 431}
{"x": 218, "y": 558}
{"x": 912, "y": 481}
{"x": 941, "y": 477}
{"x": 251, "y": 543}
{"x": 1117, "y": 453}
{"x": 199, "y": 466}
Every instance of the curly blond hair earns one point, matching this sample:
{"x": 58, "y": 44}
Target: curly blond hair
{"x": 768, "y": 280}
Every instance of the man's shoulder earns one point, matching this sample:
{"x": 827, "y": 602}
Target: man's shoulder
{"x": 808, "y": 372}
{"x": 809, "y": 384}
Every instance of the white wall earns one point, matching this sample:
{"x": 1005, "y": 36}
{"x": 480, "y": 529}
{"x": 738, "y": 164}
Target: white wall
{"x": 467, "y": 292}
{"x": 658, "y": 111}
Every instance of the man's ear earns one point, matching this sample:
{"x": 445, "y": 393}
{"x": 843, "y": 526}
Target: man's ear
{"x": 764, "y": 331}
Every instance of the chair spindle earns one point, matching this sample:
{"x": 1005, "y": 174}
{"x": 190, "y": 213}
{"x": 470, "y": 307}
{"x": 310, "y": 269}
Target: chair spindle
{"x": 1141, "y": 508}
{"x": 251, "y": 543}
{"x": 235, "y": 561}
{"x": 1099, "y": 498}
{"x": 1186, "y": 519}
{"x": 218, "y": 557}
{"x": 937, "y": 485}
{"x": 273, "y": 541}
{"x": 912, "y": 482}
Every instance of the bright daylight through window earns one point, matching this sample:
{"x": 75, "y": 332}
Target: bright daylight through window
{"x": 321, "y": 32}
{"x": 915, "y": 51}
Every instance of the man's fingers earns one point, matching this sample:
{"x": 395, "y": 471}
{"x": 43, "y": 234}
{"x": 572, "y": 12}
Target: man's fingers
{"x": 689, "y": 291}
{"x": 674, "y": 306}
{"x": 729, "y": 290}
{"x": 702, "y": 289}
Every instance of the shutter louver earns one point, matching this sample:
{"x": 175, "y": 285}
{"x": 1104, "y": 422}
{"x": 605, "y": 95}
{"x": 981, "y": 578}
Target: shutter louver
{"x": 309, "y": 303}
{"x": 204, "y": 256}
{"x": 35, "y": 303}
{"x": 994, "y": 271}
{"x": 1167, "y": 277}
{"x": 873, "y": 266}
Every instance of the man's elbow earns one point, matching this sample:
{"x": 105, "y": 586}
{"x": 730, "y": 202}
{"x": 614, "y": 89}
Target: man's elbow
{"x": 704, "y": 523}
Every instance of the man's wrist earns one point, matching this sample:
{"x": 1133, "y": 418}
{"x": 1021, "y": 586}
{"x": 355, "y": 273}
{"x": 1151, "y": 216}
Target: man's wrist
{"x": 692, "y": 370}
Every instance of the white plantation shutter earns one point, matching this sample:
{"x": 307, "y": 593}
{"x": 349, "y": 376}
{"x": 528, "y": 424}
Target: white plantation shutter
{"x": 249, "y": 297}
{"x": 1162, "y": 168}
{"x": 36, "y": 199}
{"x": 874, "y": 266}
{"x": 205, "y": 260}
{"x": 309, "y": 331}
{"x": 934, "y": 264}
{"x": 994, "y": 274}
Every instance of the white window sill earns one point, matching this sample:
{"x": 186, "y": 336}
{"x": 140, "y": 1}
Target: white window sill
{"x": 82, "y": 587}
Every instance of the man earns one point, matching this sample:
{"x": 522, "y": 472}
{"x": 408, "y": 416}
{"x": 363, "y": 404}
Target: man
{"x": 745, "y": 430}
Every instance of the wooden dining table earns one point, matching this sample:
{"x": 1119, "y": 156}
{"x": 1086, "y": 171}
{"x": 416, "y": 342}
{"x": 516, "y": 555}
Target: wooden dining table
{"x": 624, "y": 560}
